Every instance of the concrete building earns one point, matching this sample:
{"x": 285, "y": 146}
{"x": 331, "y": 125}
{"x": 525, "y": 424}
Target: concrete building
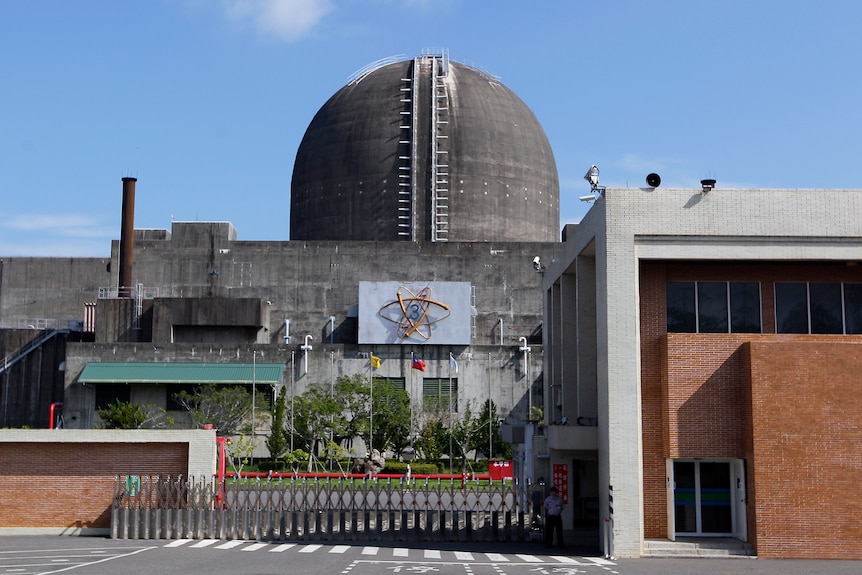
{"x": 703, "y": 348}
{"x": 425, "y": 183}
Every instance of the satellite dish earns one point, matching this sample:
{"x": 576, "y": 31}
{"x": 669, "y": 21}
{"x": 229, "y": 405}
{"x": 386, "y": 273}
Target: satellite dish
{"x": 653, "y": 180}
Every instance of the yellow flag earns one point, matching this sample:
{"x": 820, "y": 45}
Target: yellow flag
{"x": 375, "y": 361}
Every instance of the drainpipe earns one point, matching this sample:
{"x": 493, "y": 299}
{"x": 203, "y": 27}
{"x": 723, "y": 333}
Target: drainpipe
{"x": 306, "y": 348}
{"x": 56, "y": 409}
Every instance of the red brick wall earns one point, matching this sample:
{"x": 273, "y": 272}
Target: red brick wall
{"x": 696, "y": 388}
{"x": 806, "y": 465}
{"x": 71, "y": 485}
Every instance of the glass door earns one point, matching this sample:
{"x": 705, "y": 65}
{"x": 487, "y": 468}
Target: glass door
{"x": 702, "y": 498}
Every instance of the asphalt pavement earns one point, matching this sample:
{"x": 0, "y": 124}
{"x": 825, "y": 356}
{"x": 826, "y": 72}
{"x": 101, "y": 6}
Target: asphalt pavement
{"x": 31, "y": 555}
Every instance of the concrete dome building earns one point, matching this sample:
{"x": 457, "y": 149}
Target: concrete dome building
{"x": 424, "y": 150}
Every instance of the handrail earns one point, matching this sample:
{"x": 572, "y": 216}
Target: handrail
{"x": 25, "y": 350}
{"x": 357, "y": 76}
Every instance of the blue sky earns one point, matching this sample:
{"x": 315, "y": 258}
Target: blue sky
{"x": 206, "y": 101}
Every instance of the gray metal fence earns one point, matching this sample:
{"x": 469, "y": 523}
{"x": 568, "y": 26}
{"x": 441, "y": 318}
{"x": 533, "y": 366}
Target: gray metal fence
{"x": 318, "y": 509}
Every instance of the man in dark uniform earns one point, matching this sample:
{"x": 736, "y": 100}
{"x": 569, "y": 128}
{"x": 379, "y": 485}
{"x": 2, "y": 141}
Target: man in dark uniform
{"x": 553, "y": 517}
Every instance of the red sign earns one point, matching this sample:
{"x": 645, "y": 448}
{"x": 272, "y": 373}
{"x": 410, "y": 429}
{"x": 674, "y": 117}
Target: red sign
{"x": 500, "y": 470}
{"x": 561, "y": 480}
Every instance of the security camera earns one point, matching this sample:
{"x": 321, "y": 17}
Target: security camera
{"x": 589, "y": 198}
{"x": 537, "y": 263}
{"x": 592, "y": 176}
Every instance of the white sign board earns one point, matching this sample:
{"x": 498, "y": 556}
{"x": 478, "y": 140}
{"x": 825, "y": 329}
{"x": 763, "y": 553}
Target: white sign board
{"x": 436, "y": 313}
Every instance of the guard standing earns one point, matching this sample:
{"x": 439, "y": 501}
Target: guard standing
{"x": 553, "y": 517}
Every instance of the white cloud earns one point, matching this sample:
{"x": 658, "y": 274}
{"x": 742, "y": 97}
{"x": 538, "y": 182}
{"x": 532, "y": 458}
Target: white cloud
{"x": 68, "y": 225}
{"x": 285, "y": 19}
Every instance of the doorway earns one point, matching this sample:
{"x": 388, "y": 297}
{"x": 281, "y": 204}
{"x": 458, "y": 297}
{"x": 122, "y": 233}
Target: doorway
{"x": 703, "y": 498}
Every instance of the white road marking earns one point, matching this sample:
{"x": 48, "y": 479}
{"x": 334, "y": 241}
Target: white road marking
{"x": 463, "y": 556}
{"x": 231, "y": 544}
{"x": 600, "y": 561}
{"x": 400, "y": 552}
{"x": 282, "y": 547}
{"x": 497, "y": 558}
{"x": 370, "y": 550}
{"x": 206, "y": 543}
{"x": 310, "y": 548}
{"x": 255, "y": 547}
{"x": 339, "y": 549}
{"x": 529, "y": 558}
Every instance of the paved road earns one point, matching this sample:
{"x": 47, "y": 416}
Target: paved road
{"x": 25, "y": 555}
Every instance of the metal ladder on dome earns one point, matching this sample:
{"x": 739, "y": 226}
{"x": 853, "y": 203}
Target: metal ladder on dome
{"x": 440, "y": 146}
{"x": 407, "y": 154}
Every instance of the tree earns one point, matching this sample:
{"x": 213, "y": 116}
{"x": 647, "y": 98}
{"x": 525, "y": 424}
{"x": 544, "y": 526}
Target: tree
{"x": 122, "y": 415}
{"x": 488, "y": 423}
{"x": 226, "y": 407}
{"x": 464, "y": 433}
{"x": 391, "y": 416}
{"x": 314, "y": 415}
{"x": 277, "y": 442}
{"x": 433, "y": 440}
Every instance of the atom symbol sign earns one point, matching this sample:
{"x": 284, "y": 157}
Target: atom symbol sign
{"x": 414, "y": 313}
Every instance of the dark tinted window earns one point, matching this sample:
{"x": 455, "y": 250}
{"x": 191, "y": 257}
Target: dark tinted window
{"x": 825, "y": 305}
{"x": 680, "y": 307}
{"x": 791, "y": 308}
{"x": 712, "y": 307}
{"x": 853, "y": 308}
{"x": 745, "y": 307}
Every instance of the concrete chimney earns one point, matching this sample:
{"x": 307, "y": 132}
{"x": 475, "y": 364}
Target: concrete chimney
{"x": 127, "y": 239}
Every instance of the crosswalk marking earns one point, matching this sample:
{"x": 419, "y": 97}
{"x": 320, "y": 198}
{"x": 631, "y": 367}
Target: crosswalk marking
{"x": 397, "y": 552}
{"x": 529, "y": 558}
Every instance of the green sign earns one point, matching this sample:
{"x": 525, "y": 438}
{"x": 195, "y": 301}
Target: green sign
{"x": 133, "y": 485}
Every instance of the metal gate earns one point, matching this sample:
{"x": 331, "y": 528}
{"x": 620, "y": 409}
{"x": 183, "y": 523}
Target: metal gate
{"x": 318, "y": 509}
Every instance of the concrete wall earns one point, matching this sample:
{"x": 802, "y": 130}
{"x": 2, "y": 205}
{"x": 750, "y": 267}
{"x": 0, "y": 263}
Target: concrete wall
{"x": 62, "y": 481}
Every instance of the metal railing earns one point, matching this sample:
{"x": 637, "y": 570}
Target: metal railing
{"x": 309, "y": 509}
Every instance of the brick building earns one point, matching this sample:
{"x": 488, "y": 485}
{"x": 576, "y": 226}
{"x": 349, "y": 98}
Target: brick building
{"x": 702, "y": 348}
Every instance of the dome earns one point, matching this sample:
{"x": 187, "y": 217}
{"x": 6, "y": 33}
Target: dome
{"x": 425, "y": 150}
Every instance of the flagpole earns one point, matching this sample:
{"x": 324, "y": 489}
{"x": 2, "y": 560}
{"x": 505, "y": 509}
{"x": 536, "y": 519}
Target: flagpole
{"x": 451, "y": 359}
{"x": 371, "y": 410}
{"x": 412, "y": 395}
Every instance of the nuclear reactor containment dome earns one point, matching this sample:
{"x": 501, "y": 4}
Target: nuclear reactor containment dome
{"x": 425, "y": 150}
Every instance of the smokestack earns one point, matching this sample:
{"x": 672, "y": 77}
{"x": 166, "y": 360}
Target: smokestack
{"x": 127, "y": 238}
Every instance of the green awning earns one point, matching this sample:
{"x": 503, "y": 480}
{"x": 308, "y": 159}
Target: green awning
{"x": 226, "y": 373}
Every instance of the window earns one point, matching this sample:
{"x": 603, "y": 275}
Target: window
{"x": 853, "y": 308}
{"x": 108, "y": 393}
{"x": 681, "y": 316}
{"x": 713, "y": 307}
{"x": 817, "y": 307}
{"x": 436, "y": 394}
